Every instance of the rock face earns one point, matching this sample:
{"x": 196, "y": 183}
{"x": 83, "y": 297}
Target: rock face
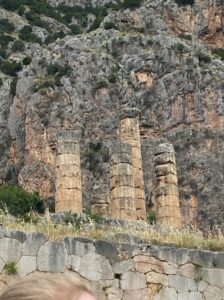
{"x": 166, "y": 192}
{"x": 157, "y": 56}
{"x": 68, "y": 196}
{"x": 122, "y": 182}
{"x": 129, "y": 132}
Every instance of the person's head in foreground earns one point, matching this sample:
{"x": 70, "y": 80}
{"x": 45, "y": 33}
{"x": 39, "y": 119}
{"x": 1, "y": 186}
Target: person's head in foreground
{"x": 48, "y": 287}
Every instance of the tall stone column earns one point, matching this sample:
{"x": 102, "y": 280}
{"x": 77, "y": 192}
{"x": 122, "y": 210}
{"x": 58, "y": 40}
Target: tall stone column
{"x": 166, "y": 192}
{"x": 129, "y": 133}
{"x": 68, "y": 196}
{"x": 121, "y": 182}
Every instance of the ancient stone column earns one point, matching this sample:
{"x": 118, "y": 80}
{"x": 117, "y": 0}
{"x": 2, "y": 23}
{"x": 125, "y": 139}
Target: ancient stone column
{"x": 166, "y": 192}
{"x": 122, "y": 182}
{"x": 68, "y": 196}
{"x": 129, "y": 133}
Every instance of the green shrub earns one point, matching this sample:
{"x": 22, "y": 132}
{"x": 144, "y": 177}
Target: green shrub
{"x": 35, "y": 20}
{"x": 219, "y": 52}
{"x": 11, "y": 268}
{"x": 43, "y": 83}
{"x": 16, "y": 200}
{"x": 21, "y": 10}
{"x": 3, "y": 54}
{"x": 180, "y": 47}
{"x": 101, "y": 84}
{"x": 1, "y": 82}
{"x": 75, "y": 29}
{"x": 18, "y": 46}
{"x": 151, "y": 217}
{"x": 54, "y": 36}
{"x": 203, "y": 57}
{"x": 109, "y": 25}
{"x": 13, "y": 85}
{"x": 6, "y": 26}
{"x": 5, "y": 39}
{"x": 26, "y": 35}
{"x": 187, "y": 37}
{"x": 57, "y": 70}
{"x": 10, "y": 67}
{"x": 112, "y": 78}
{"x": 184, "y": 2}
{"x": 10, "y": 4}
{"x": 26, "y": 60}
{"x": 131, "y": 4}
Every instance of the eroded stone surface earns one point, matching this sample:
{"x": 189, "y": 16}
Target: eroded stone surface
{"x": 166, "y": 293}
{"x": 52, "y": 257}
{"x": 166, "y": 194}
{"x": 145, "y": 263}
{"x": 133, "y": 281}
{"x": 213, "y": 293}
{"x": 26, "y": 265}
{"x": 10, "y": 249}
{"x": 141, "y": 294}
{"x": 123, "y": 266}
{"x": 95, "y": 267}
{"x": 182, "y": 284}
{"x": 78, "y": 246}
{"x": 33, "y": 242}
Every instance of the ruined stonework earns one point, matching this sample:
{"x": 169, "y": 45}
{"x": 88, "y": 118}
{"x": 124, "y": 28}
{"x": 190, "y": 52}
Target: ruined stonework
{"x": 101, "y": 200}
{"x": 122, "y": 182}
{"x": 115, "y": 271}
{"x": 68, "y": 196}
{"x": 129, "y": 133}
{"x": 166, "y": 192}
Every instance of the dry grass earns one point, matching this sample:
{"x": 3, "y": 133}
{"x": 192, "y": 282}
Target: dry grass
{"x": 159, "y": 235}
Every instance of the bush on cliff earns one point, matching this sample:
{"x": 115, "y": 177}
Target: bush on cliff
{"x": 184, "y": 2}
{"x": 219, "y": 52}
{"x": 16, "y": 200}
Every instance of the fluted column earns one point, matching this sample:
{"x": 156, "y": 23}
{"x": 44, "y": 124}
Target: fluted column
{"x": 129, "y": 133}
{"x": 122, "y": 182}
{"x": 68, "y": 196}
{"x": 166, "y": 192}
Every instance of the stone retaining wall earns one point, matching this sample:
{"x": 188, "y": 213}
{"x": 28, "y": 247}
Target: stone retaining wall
{"x": 117, "y": 271}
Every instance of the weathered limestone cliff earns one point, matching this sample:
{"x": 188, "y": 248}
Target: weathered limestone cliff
{"x": 159, "y": 56}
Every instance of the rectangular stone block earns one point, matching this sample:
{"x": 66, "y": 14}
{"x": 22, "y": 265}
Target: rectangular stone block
{"x": 165, "y": 158}
{"x": 121, "y": 180}
{"x": 68, "y": 206}
{"x": 136, "y": 153}
{"x": 123, "y": 203}
{"x": 166, "y": 169}
{"x": 138, "y": 180}
{"x": 121, "y": 169}
{"x": 68, "y": 183}
{"x": 146, "y": 263}
{"x": 64, "y": 159}
{"x": 68, "y": 148}
{"x": 140, "y": 204}
{"x": 170, "y": 221}
{"x": 168, "y": 179}
{"x": 168, "y": 211}
{"x": 118, "y": 158}
{"x": 139, "y": 193}
{"x": 122, "y": 192}
{"x": 68, "y": 171}
{"x": 102, "y": 209}
{"x": 167, "y": 200}
{"x": 127, "y": 214}
{"x": 66, "y": 200}
{"x": 169, "y": 189}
